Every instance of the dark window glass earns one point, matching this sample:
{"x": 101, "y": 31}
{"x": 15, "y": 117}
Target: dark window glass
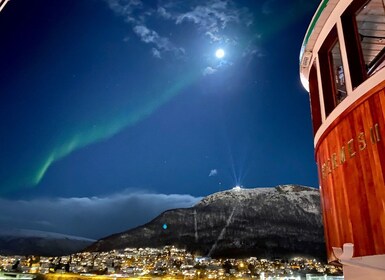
{"x": 332, "y": 72}
{"x": 371, "y": 29}
{"x": 357, "y": 69}
{"x": 338, "y": 73}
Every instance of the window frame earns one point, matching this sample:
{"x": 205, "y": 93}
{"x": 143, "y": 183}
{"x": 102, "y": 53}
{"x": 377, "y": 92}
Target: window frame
{"x": 358, "y": 73}
{"x": 357, "y": 64}
{"x": 325, "y": 57}
{"x": 314, "y": 95}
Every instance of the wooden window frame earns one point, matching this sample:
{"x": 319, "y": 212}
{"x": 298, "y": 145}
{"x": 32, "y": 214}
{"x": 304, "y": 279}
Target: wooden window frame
{"x": 358, "y": 72}
{"x": 327, "y": 74}
{"x": 315, "y": 104}
{"x": 357, "y": 65}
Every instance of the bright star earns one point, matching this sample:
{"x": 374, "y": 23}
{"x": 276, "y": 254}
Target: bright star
{"x": 220, "y": 53}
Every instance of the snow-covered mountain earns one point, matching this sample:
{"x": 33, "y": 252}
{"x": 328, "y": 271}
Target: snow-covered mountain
{"x": 265, "y": 222}
{"x": 34, "y": 242}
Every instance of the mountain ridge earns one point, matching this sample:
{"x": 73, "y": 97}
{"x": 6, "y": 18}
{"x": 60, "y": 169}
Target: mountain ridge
{"x": 35, "y": 242}
{"x": 277, "y": 222}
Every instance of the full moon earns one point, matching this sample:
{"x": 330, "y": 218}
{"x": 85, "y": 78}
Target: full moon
{"x": 220, "y": 53}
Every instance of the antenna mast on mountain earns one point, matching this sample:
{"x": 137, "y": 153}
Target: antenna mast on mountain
{"x": 3, "y": 3}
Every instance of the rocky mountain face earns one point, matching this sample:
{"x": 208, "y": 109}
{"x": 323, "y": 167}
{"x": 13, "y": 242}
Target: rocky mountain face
{"x": 284, "y": 221}
{"x": 33, "y": 242}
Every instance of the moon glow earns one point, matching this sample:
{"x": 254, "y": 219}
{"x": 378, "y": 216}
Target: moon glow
{"x": 220, "y": 53}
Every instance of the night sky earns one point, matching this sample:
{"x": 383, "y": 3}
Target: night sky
{"x": 112, "y": 111}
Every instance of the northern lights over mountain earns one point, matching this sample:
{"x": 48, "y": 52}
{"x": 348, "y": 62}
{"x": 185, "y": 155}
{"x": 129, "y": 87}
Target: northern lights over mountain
{"x": 104, "y": 97}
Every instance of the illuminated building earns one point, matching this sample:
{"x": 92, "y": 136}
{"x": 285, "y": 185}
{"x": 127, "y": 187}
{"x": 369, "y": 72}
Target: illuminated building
{"x": 342, "y": 66}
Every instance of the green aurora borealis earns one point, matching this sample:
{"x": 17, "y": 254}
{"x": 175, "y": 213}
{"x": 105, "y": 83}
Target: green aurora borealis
{"x": 86, "y": 46}
{"x": 93, "y": 134}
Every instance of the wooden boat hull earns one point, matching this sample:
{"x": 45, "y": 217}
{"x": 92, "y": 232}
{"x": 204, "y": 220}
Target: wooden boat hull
{"x": 351, "y": 165}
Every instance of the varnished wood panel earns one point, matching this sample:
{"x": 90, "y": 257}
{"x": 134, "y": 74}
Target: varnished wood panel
{"x": 351, "y": 167}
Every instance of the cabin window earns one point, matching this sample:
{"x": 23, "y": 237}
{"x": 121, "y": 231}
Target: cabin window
{"x": 358, "y": 72}
{"x": 371, "y": 29}
{"x": 338, "y": 73}
{"x": 332, "y": 72}
{"x": 314, "y": 99}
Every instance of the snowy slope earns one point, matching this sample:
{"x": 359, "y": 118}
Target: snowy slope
{"x": 265, "y": 222}
{"x": 305, "y": 197}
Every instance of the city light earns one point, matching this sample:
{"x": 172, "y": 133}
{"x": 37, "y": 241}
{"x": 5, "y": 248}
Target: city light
{"x": 168, "y": 262}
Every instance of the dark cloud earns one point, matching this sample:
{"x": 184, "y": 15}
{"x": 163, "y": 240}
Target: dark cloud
{"x": 156, "y": 53}
{"x": 150, "y": 36}
{"x": 163, "y": 13}
{"x": 213, "y": 15}
{"x": 213, "y": 172}
{"x": 209, "y": 70}
{"x": 211, "y": 18}
{"x": 135, "y": 13}
{"x": 91, "y": 217}
{"x": 126, "y": 8}
{"x": 215, "y": 20}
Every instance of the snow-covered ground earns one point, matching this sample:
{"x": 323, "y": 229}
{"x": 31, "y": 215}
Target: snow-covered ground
{"x": 302, "y": 196}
